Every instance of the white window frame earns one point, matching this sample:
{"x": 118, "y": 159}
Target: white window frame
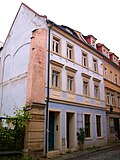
{"x": 70, "y": 52}
{"x": 90, "y": 114}
{"x": 108, "y": 98}
{"x": 84, "y": 59}
{"x": 118, "y": 102}
{"x": 111, "y": 76}
{"x": 96, "y": 94}
{"x": 95, "y": 65}
{"x": 70, "y": 83}
{"x": 55, "y": 79}
{"x": 56, "y": 44}
{"x": 85, "y": 87}
{"x": 105, "y": 72}
{"x": 101, "y": 135}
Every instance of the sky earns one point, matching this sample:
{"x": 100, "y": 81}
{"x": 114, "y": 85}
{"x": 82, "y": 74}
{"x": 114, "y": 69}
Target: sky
{"x": 100, "y": 18}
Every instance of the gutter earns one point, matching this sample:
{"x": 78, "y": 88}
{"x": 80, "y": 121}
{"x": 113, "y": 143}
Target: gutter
{"x": 48, "y": 91}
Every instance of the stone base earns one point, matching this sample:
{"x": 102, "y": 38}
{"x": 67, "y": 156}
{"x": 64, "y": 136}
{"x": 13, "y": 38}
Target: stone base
{"x": 34, "y": 135}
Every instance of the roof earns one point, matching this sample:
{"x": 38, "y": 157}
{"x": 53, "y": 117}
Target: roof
{"x": 100, "y": 44}
{"x": 90, "y": 36}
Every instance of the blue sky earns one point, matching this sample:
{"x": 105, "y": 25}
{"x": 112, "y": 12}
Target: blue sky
{"x": 97, "y": 17}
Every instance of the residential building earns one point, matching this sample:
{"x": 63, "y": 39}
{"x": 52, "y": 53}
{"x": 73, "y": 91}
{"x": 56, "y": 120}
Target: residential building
{"x": 111, "y": 71}
{"x": 58, "y": 74}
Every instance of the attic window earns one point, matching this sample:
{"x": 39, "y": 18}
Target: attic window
{"x": 93, "y": 43}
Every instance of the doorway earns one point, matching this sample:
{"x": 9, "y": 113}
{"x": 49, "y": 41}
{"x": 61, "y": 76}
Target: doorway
{"x": 54, "y": 131}
{"x": 117, "y": 129}
{"x": 70, "y": 130}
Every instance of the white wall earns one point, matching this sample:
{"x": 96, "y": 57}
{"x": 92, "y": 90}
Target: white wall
{"x": 15, "y": 59}
{"x": 78, "y": 66}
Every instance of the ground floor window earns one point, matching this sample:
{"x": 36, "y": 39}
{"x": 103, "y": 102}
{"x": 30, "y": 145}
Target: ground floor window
{"x": 98, "y": 125}
{"x": 111, "y": 125}
{"x": 87, "y": 123}
{"x": 114, "y": 126}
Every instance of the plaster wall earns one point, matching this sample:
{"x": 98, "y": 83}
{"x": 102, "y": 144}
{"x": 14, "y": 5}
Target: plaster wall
{"x": 15, "y": 59}
{"x": 77, "y": 64}
{"x": 79, "y": 121}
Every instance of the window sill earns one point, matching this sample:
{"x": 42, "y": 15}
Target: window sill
{"x": 99, "y": 138}
{"x": 57, "y": 89}
{"x": 88, "y": 139}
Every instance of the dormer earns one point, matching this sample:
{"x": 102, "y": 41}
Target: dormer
{"x": 91, "y": 40}
{"x": 102, "y": 48}
{"x": 114, "y": 58}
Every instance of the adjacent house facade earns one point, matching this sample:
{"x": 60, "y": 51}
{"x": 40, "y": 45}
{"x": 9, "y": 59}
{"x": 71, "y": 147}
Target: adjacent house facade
{"x": 58, "y": 74}
{"x": 112, "y": 95}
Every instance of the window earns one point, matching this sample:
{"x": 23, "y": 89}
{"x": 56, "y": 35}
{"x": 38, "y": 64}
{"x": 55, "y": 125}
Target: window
{"x": 111, "y": 75}
{"x": 112, "y": 99}
{"x": 55, "y": 79}
{"x": 98, "y": 125}
{"x": 96, "y": 91}
{"x": 70, "y": 53}
{"x": 56, "y": 74}
{"x": 116, "y": 79}
{"x": 84, "y": 60}
{"x": 87, "y": 125}
{"x": 95, "y": 65}
{"x": 93, "y": 43}
{"x": 56, "y": 44}
{"x": 119, "y": 102}
{"x": 85, "y": 87}
{"x": 108, "y": 98}
{"x": 111, "y": 125}
{"x": 105, "y": 72}
{"x": 70, "y": 83}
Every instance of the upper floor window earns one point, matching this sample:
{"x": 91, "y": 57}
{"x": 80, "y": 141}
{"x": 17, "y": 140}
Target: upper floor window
{"x": 70, "y": 51}
{"x": 119, "y": 102}
{"x": 56, "y": 74}
{"x": 96, "y": 91}
{"x": 70, "y": 83}
{"x": 93, "y": 43}
{"x": 84, "y": 59}
{"x": 110, "y": 98}
{"x": 95, "y": 65}
{"x": 105, "y": 72}
{"x": 116, "y": 79}
{"x": 55, "y": 79}
{"x": 56, "y": 45}
{"x": 85, "y": 87}
{"x": 111, "y": 75}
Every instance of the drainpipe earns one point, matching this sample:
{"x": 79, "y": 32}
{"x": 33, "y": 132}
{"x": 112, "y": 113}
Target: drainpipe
{"x": 48, "y": 86}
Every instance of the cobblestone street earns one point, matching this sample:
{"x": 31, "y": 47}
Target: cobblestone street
{"x": 112, "y": 154}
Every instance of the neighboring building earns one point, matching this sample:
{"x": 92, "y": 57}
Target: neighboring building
{"x": 48, "y": 65}
{"x": 14, "y": 85}
{"x": 111, "y": 71}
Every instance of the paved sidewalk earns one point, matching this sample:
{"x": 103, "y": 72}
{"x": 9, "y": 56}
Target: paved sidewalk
{"x": 75, "y": 154}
